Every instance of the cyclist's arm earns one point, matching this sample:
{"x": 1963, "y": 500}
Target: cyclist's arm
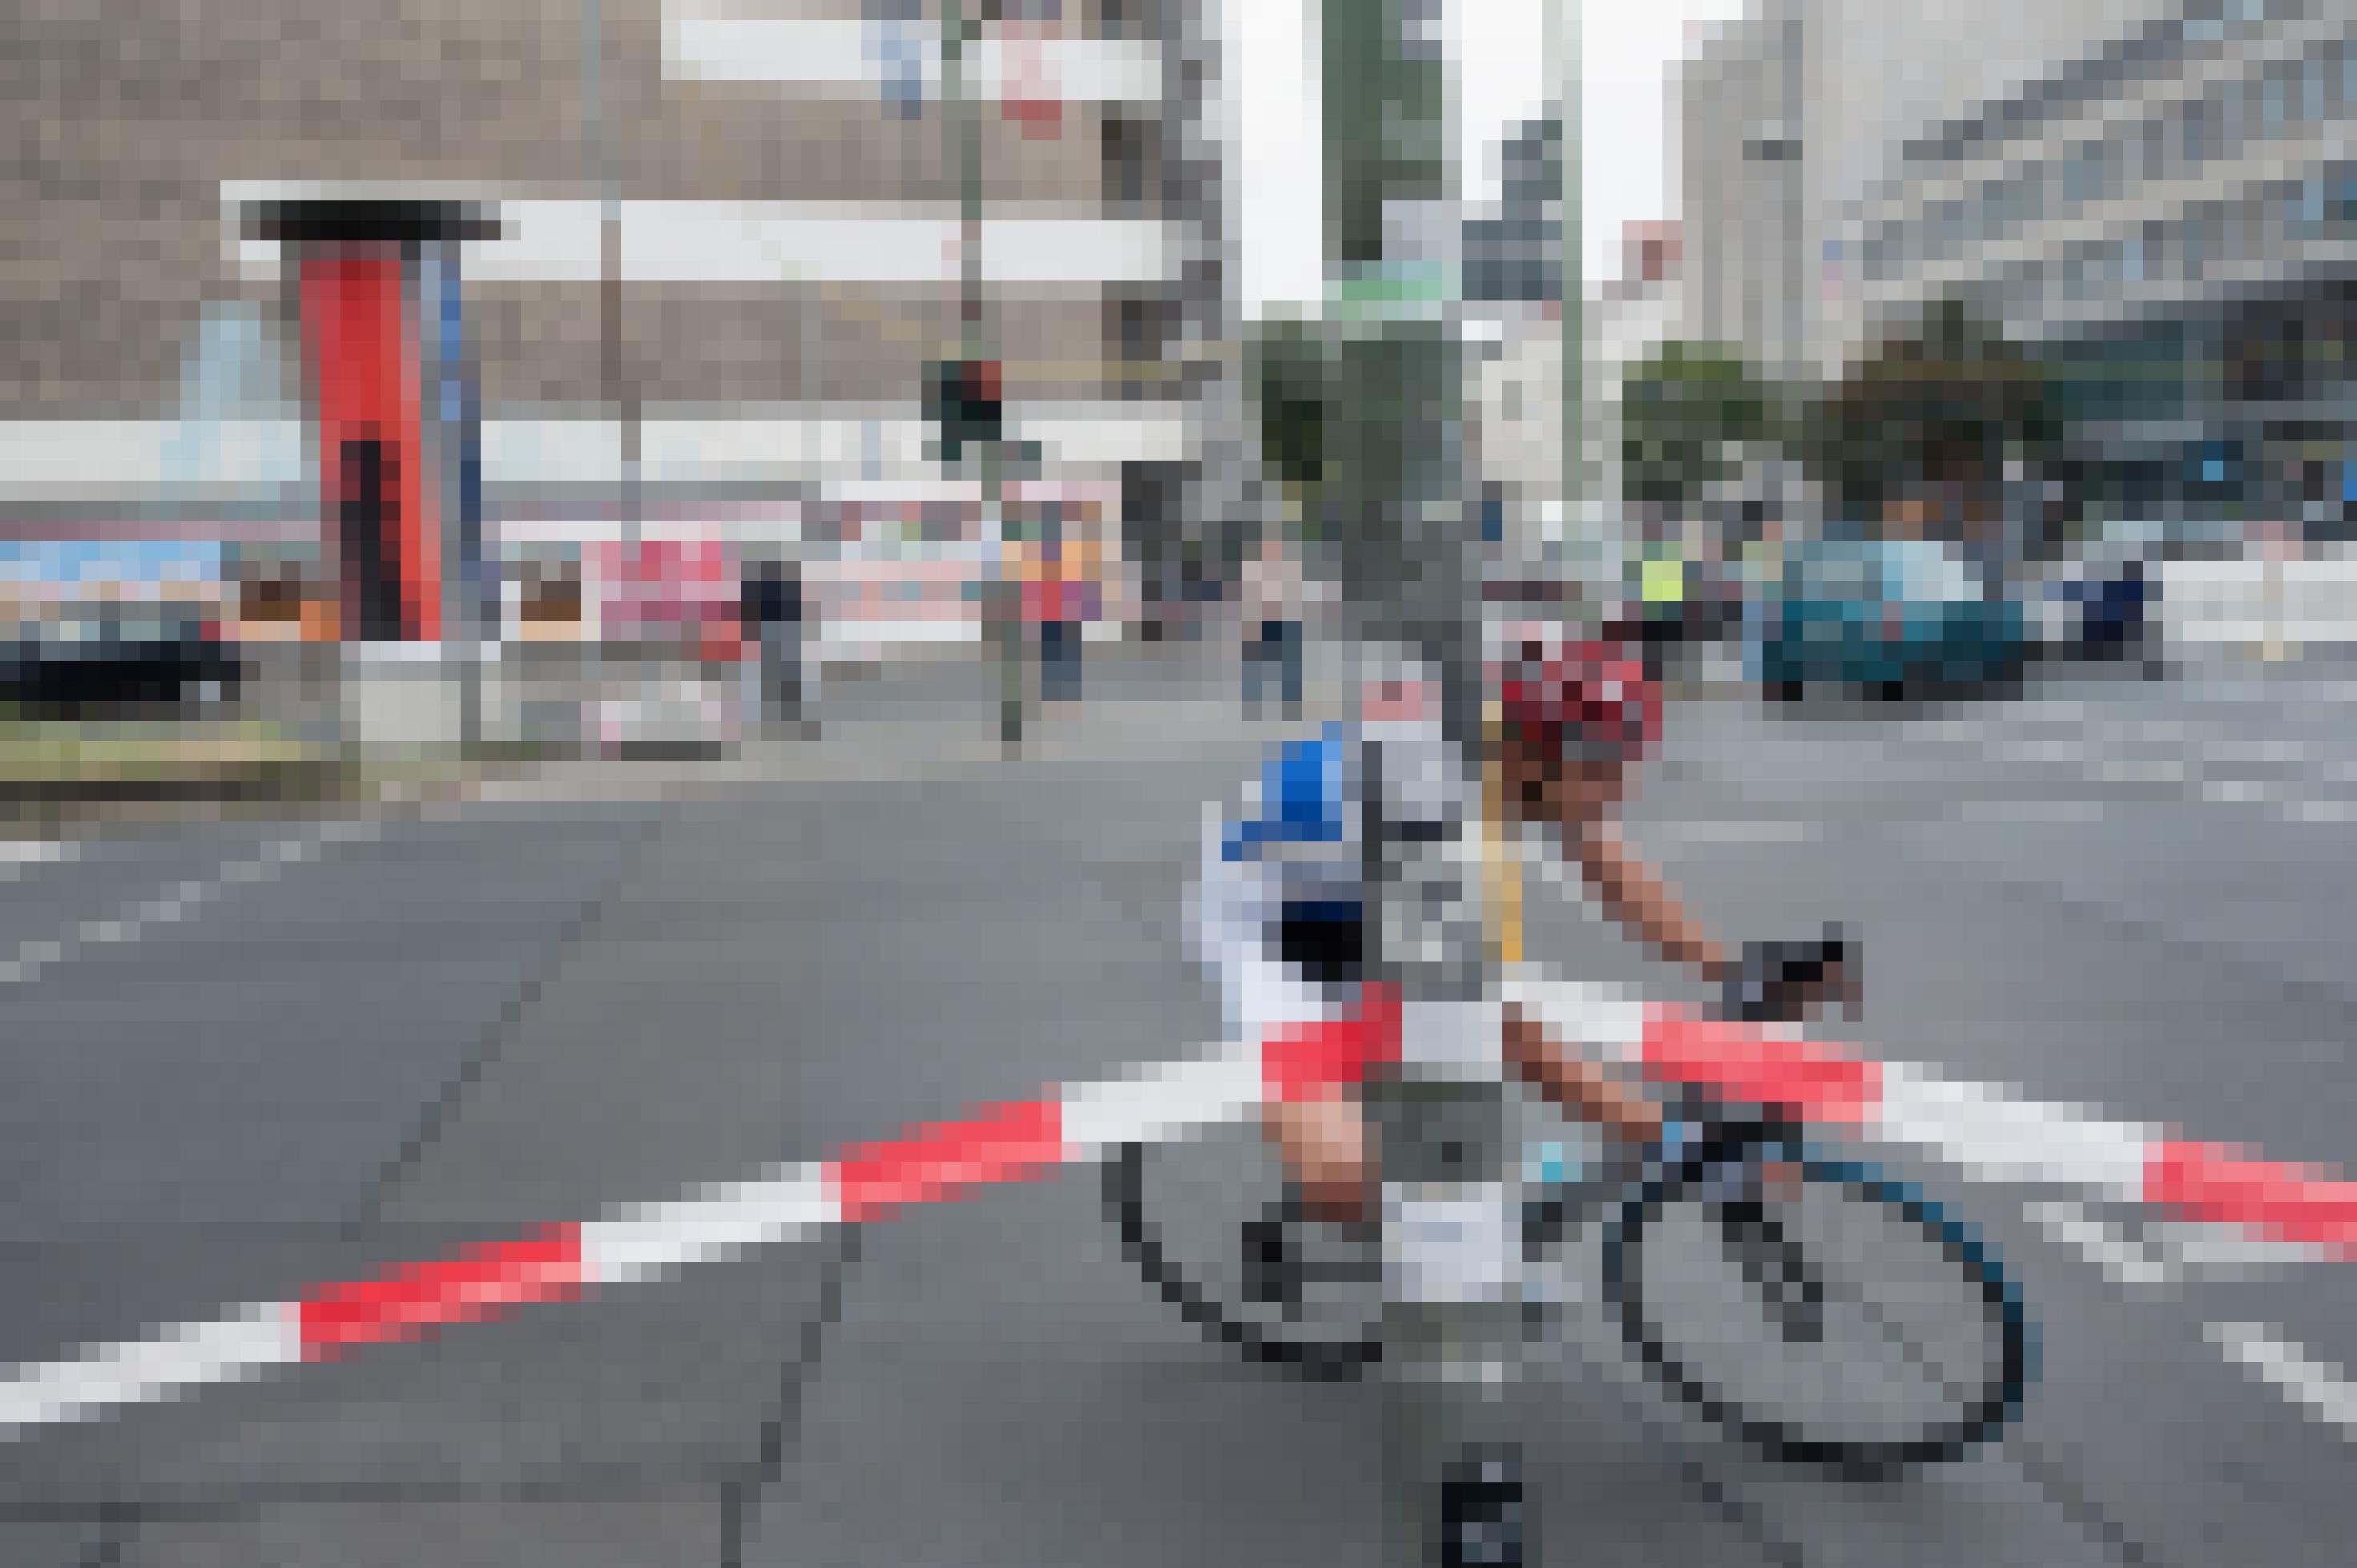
{"x": 1634, "y": 894}
{"x": 1574, "y": 1084}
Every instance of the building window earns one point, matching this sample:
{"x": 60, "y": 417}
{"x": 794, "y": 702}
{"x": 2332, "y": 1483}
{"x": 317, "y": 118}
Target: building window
{"x": 2201, "y": 242}
{"x": 2313, "y": 102}
{"x": 2341, "y": 195}
{"x": 2152, "y": 149}
{"x": 2195, "y": 133}
{"x": 1123, "y": 141}
{"x": 2079, "y": 174}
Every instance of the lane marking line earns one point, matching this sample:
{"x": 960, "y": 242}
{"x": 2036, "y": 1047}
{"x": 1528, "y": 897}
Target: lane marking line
{"x": 19, "y": 855}
{"x": 2107, "y": 1247}
{"x": 2320, "y": 1386}
{"x": 177, "y": 902}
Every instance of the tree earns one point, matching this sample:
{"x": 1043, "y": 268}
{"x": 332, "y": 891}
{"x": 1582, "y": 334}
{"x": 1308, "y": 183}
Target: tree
{"x": 1931, "y": 421}
{"x": 1684, "y": 412}
{"x": 1293, "y": 377}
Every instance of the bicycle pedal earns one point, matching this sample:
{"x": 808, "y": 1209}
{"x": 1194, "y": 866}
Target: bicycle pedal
{"x": 1271, "y": 1270}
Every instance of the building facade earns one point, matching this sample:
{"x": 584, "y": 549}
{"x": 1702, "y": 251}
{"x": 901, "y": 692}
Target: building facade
{"x": 1783, "y": 120}
{"x": 2174, "y": 216}
{"x": 1512, "y": 276}
{"x": 757, "y": 325}
{"x": 2158, "y": 192}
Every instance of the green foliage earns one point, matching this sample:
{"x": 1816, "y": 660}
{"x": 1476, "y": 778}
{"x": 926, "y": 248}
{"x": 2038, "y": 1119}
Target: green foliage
{"x": 1942, "y": 406}
{"x": 1293, "y": 377}
{"x": 1684, "y": 411}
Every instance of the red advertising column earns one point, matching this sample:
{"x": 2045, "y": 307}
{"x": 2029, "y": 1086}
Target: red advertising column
{"x": 355, "y": 270}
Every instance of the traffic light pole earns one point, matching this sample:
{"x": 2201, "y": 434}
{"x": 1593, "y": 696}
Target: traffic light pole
{"x": 1002, "y": 608}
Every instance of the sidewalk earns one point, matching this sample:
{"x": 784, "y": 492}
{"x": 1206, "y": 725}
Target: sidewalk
{"x": 1142, "y": 703}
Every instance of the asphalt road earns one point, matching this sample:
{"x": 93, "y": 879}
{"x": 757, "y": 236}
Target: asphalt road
{"x": 243, "y": 1059}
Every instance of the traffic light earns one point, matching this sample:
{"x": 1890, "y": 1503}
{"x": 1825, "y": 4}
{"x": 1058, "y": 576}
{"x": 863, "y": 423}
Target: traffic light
{"x": 963, "y": 401}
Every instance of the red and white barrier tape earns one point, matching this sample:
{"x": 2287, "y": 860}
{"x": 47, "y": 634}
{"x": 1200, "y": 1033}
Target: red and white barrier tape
{"x": 1988, "y": 1132}
{"x": 1980, "y": 1128}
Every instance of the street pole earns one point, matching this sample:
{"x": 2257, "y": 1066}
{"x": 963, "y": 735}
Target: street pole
{"x": 1002, "y": 608}
{"x": 1561, "y": 48}
{"x": 1452, "y": 1321}
{"x": 616, "y": 393}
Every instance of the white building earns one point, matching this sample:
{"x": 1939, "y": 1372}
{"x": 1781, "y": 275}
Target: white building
{"x": 2161, "y": 190}
{"x": 1784, "y": 120}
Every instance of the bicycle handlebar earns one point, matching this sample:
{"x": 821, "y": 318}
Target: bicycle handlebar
{"x": 1780, "y": 982}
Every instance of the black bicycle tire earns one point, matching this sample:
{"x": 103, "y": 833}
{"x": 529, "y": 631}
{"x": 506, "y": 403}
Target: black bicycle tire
{"x": 1317, "y": 1360}
{"x": 1991, "y": 1408}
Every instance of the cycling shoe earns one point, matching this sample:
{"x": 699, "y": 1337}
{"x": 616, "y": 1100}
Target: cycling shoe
{"x": 1481, "y": 1510}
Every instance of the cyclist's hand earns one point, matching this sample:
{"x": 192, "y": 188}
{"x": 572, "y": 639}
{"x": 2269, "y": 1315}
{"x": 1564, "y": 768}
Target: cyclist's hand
{"x": 1790, "y": 981}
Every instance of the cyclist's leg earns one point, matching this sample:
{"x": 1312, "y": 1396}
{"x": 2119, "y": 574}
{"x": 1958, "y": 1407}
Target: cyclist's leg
{"x": 1322, "y": 1140}
{"x": 1324, "y": 1144}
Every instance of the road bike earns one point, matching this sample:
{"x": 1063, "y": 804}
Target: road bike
{"x": 1809, "y": 1306}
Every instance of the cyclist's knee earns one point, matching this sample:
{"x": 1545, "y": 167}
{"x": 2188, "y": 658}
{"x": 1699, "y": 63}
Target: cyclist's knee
{"x": 1325, "y": 1146}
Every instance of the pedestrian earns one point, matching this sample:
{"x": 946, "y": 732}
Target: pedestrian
{"x": 1272, "y": 611}
{"x": 775, "y": 614}
{"x": 1057, "y": 610}
{"x": 789, "y": 646}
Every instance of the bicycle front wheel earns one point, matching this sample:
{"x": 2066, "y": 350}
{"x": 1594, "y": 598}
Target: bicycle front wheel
{"x": 1820, "y": 1312}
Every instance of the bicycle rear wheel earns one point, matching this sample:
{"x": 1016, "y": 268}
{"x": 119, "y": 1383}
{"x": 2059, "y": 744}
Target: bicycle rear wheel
{"x": 1820, "y": 1312}
{"x": 1181, "y": 1209}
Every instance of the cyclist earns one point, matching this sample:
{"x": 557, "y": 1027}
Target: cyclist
{"x": 1280, "y": 917}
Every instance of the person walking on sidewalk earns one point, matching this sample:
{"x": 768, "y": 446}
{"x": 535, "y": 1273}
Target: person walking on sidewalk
{"x": 1272, "y": 629}
{"x": 1060, "y": 612}
{"x": 775, "y": 611}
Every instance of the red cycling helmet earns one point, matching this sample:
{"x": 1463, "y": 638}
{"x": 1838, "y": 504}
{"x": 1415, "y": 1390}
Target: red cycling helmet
{"x": 1584, "y": 700}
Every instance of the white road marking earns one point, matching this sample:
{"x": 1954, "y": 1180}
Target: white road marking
{"x": 18, "y": 854}
{"x": 177, "y": 903}
{"x": 2107, "y": 1247}
{"x": 2169, "y": 1252}
{"x": 2220, "y": 768}
{"x": 2320, "y": 1386}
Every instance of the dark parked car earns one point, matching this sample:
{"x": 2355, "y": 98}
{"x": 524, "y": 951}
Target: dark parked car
{"x": 133, "y": 657}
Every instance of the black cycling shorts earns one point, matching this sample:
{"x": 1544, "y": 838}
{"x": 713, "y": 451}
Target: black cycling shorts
{"x": 1326, "y": 939}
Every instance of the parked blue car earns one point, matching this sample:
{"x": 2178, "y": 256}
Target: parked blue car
{"x": 1886, "y": 619}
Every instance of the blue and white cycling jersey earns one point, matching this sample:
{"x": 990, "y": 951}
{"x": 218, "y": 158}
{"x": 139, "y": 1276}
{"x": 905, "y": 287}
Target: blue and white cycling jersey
{"x": 1280, "y": 915}
{"x": 1285, "y": 859}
